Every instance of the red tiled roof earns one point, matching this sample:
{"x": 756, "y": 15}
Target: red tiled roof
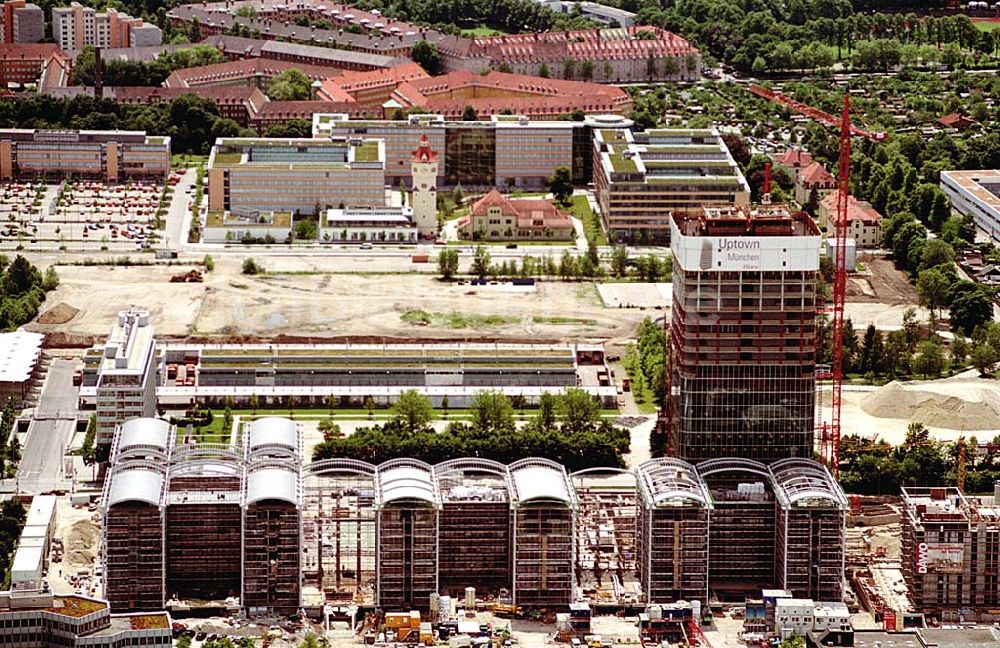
{"x": 530, "y": 212}
{"x": 594, "y": 44}
{"x": 223, "y": 72}
{"x": 856, "y": 209}
{"x": 29, "y": 50}
{"x": 956, "y": 120}
{"x": 815, "y": 174}
{"x": 794, "y": 158}
{"x": 424, "y": 152}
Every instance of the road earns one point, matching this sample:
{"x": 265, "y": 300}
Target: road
{"x": 51, "y": 429}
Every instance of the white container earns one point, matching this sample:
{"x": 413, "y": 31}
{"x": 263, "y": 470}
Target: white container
{"x": 655, "y": 612}
{"x": 696, "y": 610}
{"x": 470, "y": 598}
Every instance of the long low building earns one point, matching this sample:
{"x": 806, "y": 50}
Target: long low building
{"x": 109, "y": 156}
{"x": 975, "y": 194}
{"x": 248, "y": 176}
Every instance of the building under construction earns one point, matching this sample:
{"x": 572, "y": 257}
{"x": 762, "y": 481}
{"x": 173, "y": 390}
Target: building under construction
{"x": 743, "y": 335}
{"x": 951, "y": 552}
{"x": 199, "y": 523}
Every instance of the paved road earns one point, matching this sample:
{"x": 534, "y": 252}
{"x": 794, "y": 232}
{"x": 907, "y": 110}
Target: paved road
{"x": 50, "y": 431}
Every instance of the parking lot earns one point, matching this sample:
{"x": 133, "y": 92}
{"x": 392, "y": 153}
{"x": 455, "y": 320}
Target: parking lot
{"x": 21, "y": 204}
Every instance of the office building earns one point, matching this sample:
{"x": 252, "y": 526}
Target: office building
{"x": 743, "y": 335}
{"x": 195, "y": 524}
{"x": 508, "y": 151}
{"x": 32, "y": 619}
{"x": 641, "y": 179}
{"x": 976, "y": 194}
{"x": 75, "y": 27}
{"x": 126, "y": 376}
{"x": 951, "y": 552}
{"x": 301, "y": 176}
{"x": 108, "y": 156}
{"x": 23, "y": 22}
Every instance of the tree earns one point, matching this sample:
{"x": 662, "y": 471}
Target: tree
{"x": 426, "y": 55}
{"x": 293, "y": 128}
{"x": 932, "y": 289}
{"x": 561, "y": 184}
{"x": 250, "y": 266}
{"x": 208, "y": 262}
{"x": 290, "y": 85}
{"x": 491, "y": 412}
{"x": 984, "y": 357}
{"x": 329, "y": 429}
{"x": 469, "y": 114}
{"x": 51, "y": 279}
{"x": 254, "y": 403}
{"x": 578, "y": 410}
{"x": 481, "y": 262}
{"x": 412, "y": 411}
{"x": 619, "y": 260}
{"x": 937, "y": 252}
{"x": 544, "y": 71}
{"x": 970, "y": 310}
{"x": 929, "y": 360}
{"x": 794, "y": 641}
{"x": 447, "y": 264}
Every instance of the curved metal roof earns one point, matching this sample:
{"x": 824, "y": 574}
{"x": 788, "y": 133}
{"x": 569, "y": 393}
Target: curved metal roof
{"x": 472, "y": 478}
{"x": 535, "y": 478}
{"x": 805, "y": 482}
{"x": 273, "y": 482}
{"x": 340, "y": 465}
{"x": 273, "y": 430}
{"x": 672, "y": 482}
{"x": 151, "y": 432}
{"x": 733, "y": 464}
{"x": 139, "y": 484}
{"x": 405, "y": 479}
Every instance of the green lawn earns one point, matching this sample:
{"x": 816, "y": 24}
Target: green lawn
{"x": 986, "y": 26}
{"x": 482, "y": 30}
{"x": 591, "y": 221}
{"x": 183, "y": 160}
{"x": 455, "y": 319}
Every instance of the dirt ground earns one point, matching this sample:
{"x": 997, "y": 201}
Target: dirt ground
{"x": 323, "y": 304}
{"x": 880, "y": 282}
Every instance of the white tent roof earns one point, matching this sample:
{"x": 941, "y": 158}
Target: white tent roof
{"x": 272, "y": 483}
{"x": 18, "y": 355}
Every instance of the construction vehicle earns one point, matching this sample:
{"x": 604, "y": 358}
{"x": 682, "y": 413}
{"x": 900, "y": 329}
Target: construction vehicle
{"x": 405, "y": 625}
{"x": 507, "y": 610}
{"x": 830, "y": 432}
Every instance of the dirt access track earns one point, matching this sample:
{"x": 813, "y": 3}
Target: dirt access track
{"x": 234, "y": 307}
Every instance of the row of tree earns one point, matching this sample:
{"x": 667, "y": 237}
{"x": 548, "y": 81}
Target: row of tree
{"x": 22, "y": 290}
{"x": 568, "y": 267}
{"x": 12, "y": 517}
{"x": 117, "y": 72}
{"x": 567, "y": 428}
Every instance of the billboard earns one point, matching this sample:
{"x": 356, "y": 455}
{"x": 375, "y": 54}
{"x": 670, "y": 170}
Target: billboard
{"x": 748, "y": 253}
{"x": 940, "y": 557}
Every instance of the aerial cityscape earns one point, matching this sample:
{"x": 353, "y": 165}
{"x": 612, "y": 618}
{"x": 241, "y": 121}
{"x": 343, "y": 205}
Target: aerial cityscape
{"x": 521, "y": 324}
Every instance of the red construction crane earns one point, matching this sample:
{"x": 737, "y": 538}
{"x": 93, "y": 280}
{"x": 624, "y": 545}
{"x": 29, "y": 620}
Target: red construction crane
{"x": 830, "y": 432}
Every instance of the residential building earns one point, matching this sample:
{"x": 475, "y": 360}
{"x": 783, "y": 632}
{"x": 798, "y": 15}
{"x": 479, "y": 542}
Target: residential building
{"x": 423, "y": 180}
{"x": 31, "y": 619}
{"x": 816, "y": 178}
{"x": 864, "y": 222}
{"x": 795, "y": 160}
{"x": 109, "y": 156}
{"x": 369, "y": 223}
{"x": 506, "y": 151}
{"x": 975, "y": 194}
{"x": 126, "y": 376}
{"x": 252, "y": 72}
{"x": 950, "y": 552}
{"x": 495, "y": 218}
{"x": 77, "y": 26}
{"x": 247, "y": 176}
{"x": 613, "y": 55}
{"x": 204, "y": 523}
{"x": 25, "y": 63}
{"x": 743, "y": 334}
{"x": 22, "y": 23}
{"x": 239, "y": 103}
{"x": 957, "y": 121}
{"x": 495, "y": 93}
{"x": 641, "y": 179}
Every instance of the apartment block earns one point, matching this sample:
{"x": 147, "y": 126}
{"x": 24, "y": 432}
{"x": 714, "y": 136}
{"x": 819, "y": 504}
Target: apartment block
{"x": 25, "y": 63}
{"x": 126, "y": 376}
{"x": 22, "y": 23}
{"x": 950, "y": 551}
{"x": 76, "y": 27}
{"x": 109, "y": 156}
{"x": 300, "y": 176}
{"x": 32, "y": 619}
{"x": 641, "y": 179}
{"x": 743, "y": 335}
{"x": 508, "y": 151}
{"x": 200, "y": 523}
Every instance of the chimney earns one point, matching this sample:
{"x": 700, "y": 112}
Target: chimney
{"x": 98, "y": 82}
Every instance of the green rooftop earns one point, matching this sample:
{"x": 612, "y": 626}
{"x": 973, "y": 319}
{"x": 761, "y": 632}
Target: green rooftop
{"x": 694, "y": 180}
{"x": 281, "y": 220}
{"x": 227, "y": 159}
{"x": 367, "y": 151}
{"x": 622, "y": 164}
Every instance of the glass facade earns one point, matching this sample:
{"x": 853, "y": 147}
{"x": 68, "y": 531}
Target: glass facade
{"x": 471, "y": 154}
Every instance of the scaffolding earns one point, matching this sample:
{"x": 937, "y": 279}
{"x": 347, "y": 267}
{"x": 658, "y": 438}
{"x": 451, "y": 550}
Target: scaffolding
{"x": 474, "y": 528}
{"x": 811, "y": 530}
{"x": 606, "y": 536}
{"x": 673, "y": 531}
{"x": 408, "y": 505}
{"x": 545, "y": 506}
{"x": 338, "y": 532}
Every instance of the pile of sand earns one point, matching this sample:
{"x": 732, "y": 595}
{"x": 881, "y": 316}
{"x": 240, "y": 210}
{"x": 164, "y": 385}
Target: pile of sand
{"x": 82, "y": 543}
{"x": 58, "y": 314}
{"x": 977, "y": 408}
